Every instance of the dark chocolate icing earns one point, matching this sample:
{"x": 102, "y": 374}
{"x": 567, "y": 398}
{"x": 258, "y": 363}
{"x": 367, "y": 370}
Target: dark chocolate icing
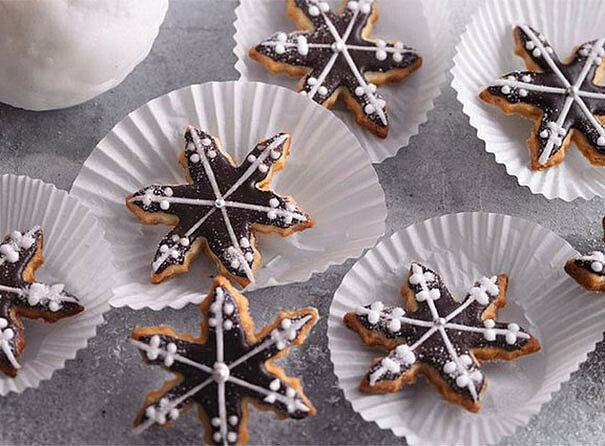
{"x": 267, "y": 388}
{"x": 581, "y": 112}
{"x": 21, "y": 298}
{"x": 365, "y": 55}
{"x": 207, "y": 164}
{"x": 434, "y": 351}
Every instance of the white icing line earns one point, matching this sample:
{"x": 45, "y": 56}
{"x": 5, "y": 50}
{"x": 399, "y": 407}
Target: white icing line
{"x": 238, "y": 249}
{"x": 254, "y": 165}
{"x": 255, "y": 207}
{"x": 528, "y": 86}
{"x": 177, "y": 357}
{"x": 178, "y": 200}
{"x": 498, "y": 331}
{"x": 299, "y": 324}
{"x": 149, "y": 422}
{"x": 6, "y": 348}
{"x": 323, "y": 75}
{"x": 547, "y": 152}
{"x": 545, "y": 54}
{"x": 456, "y": 358}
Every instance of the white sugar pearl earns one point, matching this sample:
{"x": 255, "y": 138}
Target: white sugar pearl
{"x": 511, "y": 338}
{"x": 195, "y": 158}
{"x": 314, "y": 11}
{"x": 324, "y": 6}
{"x": 601, "y": 141}
{"x": 449, "y": 367}
{"x": 249, "y": 256}
{"x": 391, "y": 365}
{"x": 365, "y": 8}
{"x": 272, "y": 215}
{"x": 164, "y": 248}
{"x": 274, "y": 202}
{"x": 463, "y": 381}
{"x": 216, "y": 422}
{"x": 398, "y": 57}
{"x": 544, "y": 134}
{"x": 212, "y": 322}
{"x": 175, "y": 254}
{"x": 233, "y": 420}
{"x": 523, "y": 92}
{"x": 211, "y": 154}
{"x": 168, "y": 192}
{"x": 244, "y": 242}
{"x": 513, "y": 327}
{"x": 530, "y": 45}
{"x": 231, "y": 437}
{"x": 3, "y": 323}
{"x": 352, "y": 5}
{"x": 235, "y": 264}
{"x": 206, "y": 142}
{"x": 164, "y": 204}
{"x": 312, "y": 81}
{"x": 489, "y": 323}
{"x": 251, "y": 158}
{"x": 526, "y": 78}
{"x": 505, "y": 89}
{"x": 280, "y": 48}
{"x": 369, "y": 109}
{"x": 228, "y": 324}
{"x": 275, "y": 154}
{"x": 359, "y": 91}
{"x": 537, "y": 52}
{"x": 228, "y": 309}
{"x": 216, "y": 437}
{"x": 476, "y": 376}
{"x": 597, "y": 267}
{"x": 275, "y": 385}
{"x": 466, "y": 360}
{"x": 322, "y": 90}
{"x": 184, "y": 241}
{"x": 394, "y": 325}
{"x": 263, "y": 167}
{"x": 381, "y": 55}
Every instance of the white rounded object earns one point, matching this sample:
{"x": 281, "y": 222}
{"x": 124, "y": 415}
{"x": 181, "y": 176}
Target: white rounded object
{"x": 60, "y": 53}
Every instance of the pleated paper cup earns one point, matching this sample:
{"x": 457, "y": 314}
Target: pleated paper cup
{"x": 421, "y": 24}
{"x": 567, "y": 320}
{"x": 327, "y": 173}
{"x": 76, "y": 254}
{"x": 485, "y": 53}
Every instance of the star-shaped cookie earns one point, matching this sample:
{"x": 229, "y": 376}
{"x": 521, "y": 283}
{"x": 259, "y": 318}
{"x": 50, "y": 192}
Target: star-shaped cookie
{"x": 438, "y": 337}
{"x": 21, "y": 296}
{"x": 563, "y": 97}
{"x": 334, "y": 54}
{"x": 220, "y": 209}
{"x": 226, "y": 368}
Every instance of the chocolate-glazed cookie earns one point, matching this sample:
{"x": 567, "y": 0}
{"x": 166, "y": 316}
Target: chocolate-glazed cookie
{"x": 564, "y": 98}
{"x": 220, "y": 208}
{"x": 436, "y": 336}
{"x": 226, "y": 368}
{"x": 22, "y": 296}
{"x": 335, "y": 55}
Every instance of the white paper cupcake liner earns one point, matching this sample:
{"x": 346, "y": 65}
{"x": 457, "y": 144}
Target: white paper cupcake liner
{"x": 420, "y": 24}
{"x": 76, "y": 254}
{"x": 485, "y": 53}
{"x": 327, "y": 173}
{"x": 567, "y": 320}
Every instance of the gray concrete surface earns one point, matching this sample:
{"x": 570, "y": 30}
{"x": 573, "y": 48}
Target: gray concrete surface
{"x": 445, "y": 169}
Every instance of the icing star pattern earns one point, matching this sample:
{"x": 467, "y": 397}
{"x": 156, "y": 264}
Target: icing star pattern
{"x": 564, "y": 97}
{"x": 21, "y": 296}
{"x": 220, "y": 208}
{"x": 335, "y": 55}
{"x": 439, "y": 337}
{"x": 226, "y": 368}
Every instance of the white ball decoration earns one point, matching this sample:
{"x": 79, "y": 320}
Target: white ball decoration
{"x": 56, "y": 54}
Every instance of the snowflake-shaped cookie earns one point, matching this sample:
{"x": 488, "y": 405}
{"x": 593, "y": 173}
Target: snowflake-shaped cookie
{"x": 565, "y": 99}
{"x": 220, "y": 209}
{"x": 22, "y": 296}
{"x": 226, "y": 368}
{"x": 438, "y": 337}
{"x": 335, "y": 55}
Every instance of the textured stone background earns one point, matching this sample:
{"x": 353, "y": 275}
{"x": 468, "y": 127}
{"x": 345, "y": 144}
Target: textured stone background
{"x": 445, "y": 169}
